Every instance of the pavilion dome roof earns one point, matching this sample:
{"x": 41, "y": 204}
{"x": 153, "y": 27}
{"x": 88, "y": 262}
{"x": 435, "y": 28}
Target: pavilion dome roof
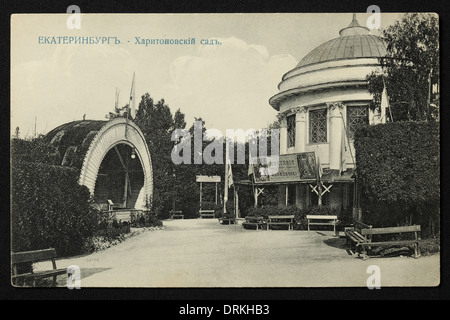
{"x": 355, "y": 41}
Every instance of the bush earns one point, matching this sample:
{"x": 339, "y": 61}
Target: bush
{"x": 35, "y": 150}
{"x": 143, "y": 219}
{"x": 50, "y": 209}
{"x": 399, "y": 173}
{"x": 218, "y": 210}
{"x": 112, "y": 233}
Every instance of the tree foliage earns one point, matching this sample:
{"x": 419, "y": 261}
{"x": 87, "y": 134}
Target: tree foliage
{"x": 175, "y": 186}
{"x": 412, "y": 58}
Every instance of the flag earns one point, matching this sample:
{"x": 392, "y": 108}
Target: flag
{"x": 230, "y": 176}
{"x": 384, "y": 104}
{"x": 132, "y": 100}
{"x": 319, "y": 169}
{"x": 343, "y": 165}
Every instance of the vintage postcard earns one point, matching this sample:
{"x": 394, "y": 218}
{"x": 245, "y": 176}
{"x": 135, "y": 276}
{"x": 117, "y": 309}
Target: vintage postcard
{"x": 286, "y": 150}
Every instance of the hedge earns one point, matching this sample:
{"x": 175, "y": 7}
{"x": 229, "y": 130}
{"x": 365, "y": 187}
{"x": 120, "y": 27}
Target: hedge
{"x": 398, "y": 171}
{"x": 50, "y": 209}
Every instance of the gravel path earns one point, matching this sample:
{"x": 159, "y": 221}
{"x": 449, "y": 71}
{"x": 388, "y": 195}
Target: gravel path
{"x": 203, "y": 253}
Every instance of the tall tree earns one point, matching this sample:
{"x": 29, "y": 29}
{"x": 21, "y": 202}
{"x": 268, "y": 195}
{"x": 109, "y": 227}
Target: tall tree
{"x": 411, "y": 63}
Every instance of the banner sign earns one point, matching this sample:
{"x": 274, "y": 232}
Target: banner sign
{"x": 209, "y": 179}
{"x": 291, "y": 168}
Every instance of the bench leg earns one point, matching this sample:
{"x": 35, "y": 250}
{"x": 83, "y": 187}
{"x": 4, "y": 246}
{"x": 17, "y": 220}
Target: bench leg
{"x": 365, "y": 256}
{"x": 416, "y": 251}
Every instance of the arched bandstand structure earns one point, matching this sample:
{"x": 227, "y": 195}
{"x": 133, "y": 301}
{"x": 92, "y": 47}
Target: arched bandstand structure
{"x": 113, "y": 159}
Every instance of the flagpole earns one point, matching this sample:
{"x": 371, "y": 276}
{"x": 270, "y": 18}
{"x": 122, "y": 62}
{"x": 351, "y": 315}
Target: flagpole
{"x": 225, "y": 196}
{"x": 319, "y": 183}
{"x": 346, "y": 135}
{"x": 387, "y": 100}
{"x": 355, "y": 183}
{"x": 129, "y": 104}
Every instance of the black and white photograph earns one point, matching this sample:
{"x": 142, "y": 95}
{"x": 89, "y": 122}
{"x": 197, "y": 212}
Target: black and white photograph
{"x": 225, "y": 150}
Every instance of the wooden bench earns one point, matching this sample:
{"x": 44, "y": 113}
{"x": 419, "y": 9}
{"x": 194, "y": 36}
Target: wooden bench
{"x": 251, "y": 221}
{"x": 354, "y": 236}
{"x": 369, "y": 233}
{"x": 32, "y": 257}
{"x": 322, "y": 220}
{"x": 174, "y": 214}
{"x": 280, "y": 221}
{"x": 207, "y": 214}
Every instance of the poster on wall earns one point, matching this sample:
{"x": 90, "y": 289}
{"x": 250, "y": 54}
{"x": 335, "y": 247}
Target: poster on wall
{"x": 291, "y": 168}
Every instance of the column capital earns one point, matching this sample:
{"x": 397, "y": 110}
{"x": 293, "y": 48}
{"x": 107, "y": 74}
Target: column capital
{"x": 300, "y": 109}
{"x": 301, "y": 113}
{"x": 335, "y": 108}
{"x": 282, "y": 119}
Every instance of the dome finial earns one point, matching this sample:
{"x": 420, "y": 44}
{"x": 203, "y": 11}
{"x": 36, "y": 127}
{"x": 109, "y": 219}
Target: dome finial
{"x": 354, "y": 28}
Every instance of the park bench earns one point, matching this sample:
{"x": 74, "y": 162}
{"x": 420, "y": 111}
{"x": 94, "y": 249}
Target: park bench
{"x": 175, "y": 214}
{"x": 251, "y": 221}
{"x": 207, "y": 214}
{"x": 354, "y": 236}
{"x": 322, "y": 220}
{"x": 369, "y": 233}
{"x": 280, "y": 221}
{"x": 18, "y": 258}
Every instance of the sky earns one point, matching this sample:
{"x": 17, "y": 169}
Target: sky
{"x": 228, "y": 85}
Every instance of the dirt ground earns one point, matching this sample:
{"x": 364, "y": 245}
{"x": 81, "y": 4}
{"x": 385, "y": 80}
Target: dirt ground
{"x": 203, "y": 253}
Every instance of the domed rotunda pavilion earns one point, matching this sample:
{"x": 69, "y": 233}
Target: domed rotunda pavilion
{"x": 320, "y": 104}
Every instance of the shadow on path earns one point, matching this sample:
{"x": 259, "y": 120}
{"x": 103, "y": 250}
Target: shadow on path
{"x": 85, "y": 272}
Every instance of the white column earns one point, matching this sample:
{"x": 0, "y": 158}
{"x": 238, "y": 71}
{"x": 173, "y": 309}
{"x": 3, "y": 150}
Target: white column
{"x": 300, "y": 129}
{"x": 336, "y": 131}
{"x": 283, "y": 134}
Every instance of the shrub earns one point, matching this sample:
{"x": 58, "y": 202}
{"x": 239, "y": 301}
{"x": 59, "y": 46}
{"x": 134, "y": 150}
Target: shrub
{"x": 218, "y": 210}
{"x": 142, "y": 219}
{"x": 50, "y": 209}
{"x": 35, "y": 150}
{"x": 399, "y": 172}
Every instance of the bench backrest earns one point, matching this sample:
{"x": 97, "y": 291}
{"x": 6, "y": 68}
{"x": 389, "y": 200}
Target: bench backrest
{"x": 359, "y": 225}
{"x": 318, "y": 217}
{"x": 390, "y": 230}
{"x": 281, "y": 217}
{"x": 33, "y": 256}
{"x": 254, "y": 218}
